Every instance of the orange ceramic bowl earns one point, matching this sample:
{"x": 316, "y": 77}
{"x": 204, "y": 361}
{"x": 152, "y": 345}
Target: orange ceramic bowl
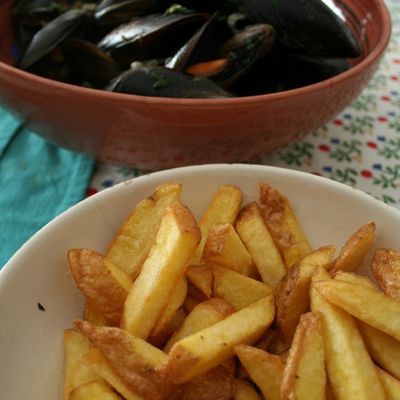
{"x": 152, "y": 132}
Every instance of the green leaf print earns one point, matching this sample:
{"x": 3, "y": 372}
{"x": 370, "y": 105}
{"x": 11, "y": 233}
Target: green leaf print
{"x": 390, "y": 178}
{"x": 391, "y": 150}
{"x": 378, "y": 82}
{"x": 360, "y": 124}
{"x": 129, "y": 172}
{"x": 297, "y": 153}
{"x": 365, "y": 102}
{"x": 346, "y": 151}
{"x": 347, "y": 175}
{"x": 388, "y": 199}
{"x": 395, "y": 124}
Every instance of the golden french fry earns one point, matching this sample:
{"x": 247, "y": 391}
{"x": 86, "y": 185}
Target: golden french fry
{"x": 351, "y": 372}
{"x": 133, "y": 359}
{"x": 355, "y": 249}
{"x": 237, "y": 289}
{"x": 354, "y": 278}
{"x": 203, "y": 315}
{"x": 258, "y": 241}
{"x": 215, "y": 384}
{"x": 365, "y": 303}
{"x": 383, "y": 349}
{"x": 245, "y": 391}
{"x": 201, "y": 277}
{"x": 390, "y": 384}
{"x": 264, "y": 369}
{"x": 176, "y": 242}
{"x": 94, "y": 391}
{"x": 304, "y": 376}
{"x": 224, "y": 247}
{"x": 92, "y": 316}
{"x": 292, "y": 296}
{"x": 386, "y": 268}
{"x": 75, "y": 347}
{"x": 165, "y": 324}
{"x": 93, "y": 278}
{"x": 211, "y": 346}
{"x": 96, "y": 361}
{"x": 223, "y": 209}
{"x": 133, "y": 242}
{"x": 283, "y": 225}
{"x": 190, "y": 303}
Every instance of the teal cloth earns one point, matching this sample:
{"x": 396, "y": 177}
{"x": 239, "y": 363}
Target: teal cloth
{"x": 38, "y": 181}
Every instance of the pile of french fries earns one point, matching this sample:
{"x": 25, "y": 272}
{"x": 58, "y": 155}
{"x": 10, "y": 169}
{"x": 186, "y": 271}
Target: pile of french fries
{"x": 235, "y": 306}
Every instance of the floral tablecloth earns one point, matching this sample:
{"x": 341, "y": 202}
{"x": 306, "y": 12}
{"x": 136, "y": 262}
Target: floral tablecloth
{"x": 360, "y": 147}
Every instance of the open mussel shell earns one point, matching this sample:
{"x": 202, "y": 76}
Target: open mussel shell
{"x": 155, "y": 35}
{"x": 237, "y": 55}
{"x": 312, "y": 27}
{"x": 88, "y": 64}
{"x": 163, "y": 82}
{"x": 195, "y": 47}
{"x": 120, "y": 11}
{"x": 69, "y": 24}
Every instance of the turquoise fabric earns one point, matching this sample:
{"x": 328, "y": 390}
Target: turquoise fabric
{"x": 38, "y": 181}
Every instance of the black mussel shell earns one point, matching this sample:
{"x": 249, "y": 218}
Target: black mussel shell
{"x": 309, "y": 27}
{"x": 88, "y": 64}
{"x": 163, "y": 82}
{"x": 152, "y": 36}
{"x": 69, "y": 24}
{"x": 120, "y": 11}
{"x": 189, "y": 53}
{"x": 238, "y": 54}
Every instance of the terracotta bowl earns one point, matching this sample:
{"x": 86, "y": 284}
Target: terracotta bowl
{"x": 159, "y": 132}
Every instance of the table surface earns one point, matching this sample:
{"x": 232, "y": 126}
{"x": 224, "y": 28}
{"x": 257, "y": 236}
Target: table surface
{"x": 360, "y": 147}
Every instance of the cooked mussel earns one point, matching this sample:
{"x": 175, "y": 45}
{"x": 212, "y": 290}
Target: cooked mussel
{"x": 67, "y": 25}
{"x": 155, "y": 35}
{"x": 309, "y": 27}
{"x": 163, "y": 82}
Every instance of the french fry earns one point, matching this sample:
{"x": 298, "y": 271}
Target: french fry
{"x": 93, "y": 278}
{"x": 224, "y": 247}
{"x": 215, "y": 384}
{"x": 384, "y": 349}
{"x": 202, "y": 316}
{"x": 351, "y": 372}
{"x": 92, "y": 316}
{"x": 201, "y": 277}
{"x": 386, "y": 268}
{"x": 190, "y": 303}
{"x": 237, "y": 289}
{"x": 176, "y": 242}
{"x": 165, "y": 324}
{"x": 355, "y": 249}
{"x": 211, "y": 346}
{"x": 390, "y": 384}
{"x": 133, "y": 359}
{"x": 283, "y": 225}
{"x": 94, "y": 391}
{"x": 354, "y": 278}
{"x": 96, "y": 361}
{"x": 304, "y": 376}
{"x": 136, "y": 236}
{"x": 264, "y": 369}
{"x": 292, "y": 296}
{"x": 245, "y": 391}
{"x": 75, "y": 347}
{"x": 223, "y": 209}
{"x": 258, "y": 241}
{"x": 365, "y": 303}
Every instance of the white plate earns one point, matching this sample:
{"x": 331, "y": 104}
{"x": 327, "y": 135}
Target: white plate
{"x": 31, "y": 349}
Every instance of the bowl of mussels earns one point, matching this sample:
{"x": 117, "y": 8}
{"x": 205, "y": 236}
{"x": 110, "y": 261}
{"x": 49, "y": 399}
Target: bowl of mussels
{"x": 156, "y": 83}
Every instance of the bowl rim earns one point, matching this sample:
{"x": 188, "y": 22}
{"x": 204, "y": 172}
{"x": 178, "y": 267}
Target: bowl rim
{"x": 375, "y": 54}
{"x": 11, "y": 267}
